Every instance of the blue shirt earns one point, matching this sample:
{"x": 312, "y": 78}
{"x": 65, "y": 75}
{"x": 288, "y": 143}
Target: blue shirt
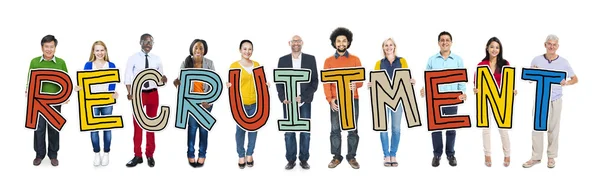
{"x": 437, "y": 62}
{"x": 558, "y": 64}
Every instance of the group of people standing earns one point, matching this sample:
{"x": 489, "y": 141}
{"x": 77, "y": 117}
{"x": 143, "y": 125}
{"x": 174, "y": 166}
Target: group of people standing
{"x": 341, "y": 40}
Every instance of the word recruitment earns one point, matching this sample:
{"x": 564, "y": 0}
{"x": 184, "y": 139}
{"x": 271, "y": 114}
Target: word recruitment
{"x": 385, "y": 93}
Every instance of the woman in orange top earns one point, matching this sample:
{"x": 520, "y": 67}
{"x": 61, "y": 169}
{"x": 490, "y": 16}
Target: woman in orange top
{"x": 196, "y": 59}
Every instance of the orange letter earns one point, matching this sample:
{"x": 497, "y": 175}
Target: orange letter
{"x": 435, "y": 99}
{"x": 39, "y": 103}
{"x": 261, "y": 116}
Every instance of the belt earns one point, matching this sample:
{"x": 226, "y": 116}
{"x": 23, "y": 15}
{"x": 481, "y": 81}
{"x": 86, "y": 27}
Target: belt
{"x": 148, "y": 91}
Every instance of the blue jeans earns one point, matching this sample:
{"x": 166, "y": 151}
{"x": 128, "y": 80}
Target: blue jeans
{"x": 335, "y": 136}
{"x": 390, "y": 151}
{"x": 290, "y": 137}
{"x": 240, "y": 135}
{"x": 194, "y": 127}
{"x": 98, "y": 111}
{"x": 436, "y": 137}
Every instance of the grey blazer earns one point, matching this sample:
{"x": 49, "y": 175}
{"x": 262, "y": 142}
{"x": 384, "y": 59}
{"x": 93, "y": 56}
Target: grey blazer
{"x": 206, "y": 64}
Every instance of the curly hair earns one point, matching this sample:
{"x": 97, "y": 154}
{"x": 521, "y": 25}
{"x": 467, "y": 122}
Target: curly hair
{"x": 341, "y": 31}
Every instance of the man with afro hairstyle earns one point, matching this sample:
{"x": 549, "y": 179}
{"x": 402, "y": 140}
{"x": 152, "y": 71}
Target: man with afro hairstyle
{"x": 341, "y": 39}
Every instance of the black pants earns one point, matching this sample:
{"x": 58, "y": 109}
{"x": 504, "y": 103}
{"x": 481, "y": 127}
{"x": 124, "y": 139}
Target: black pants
{"x": 39, "y": 138}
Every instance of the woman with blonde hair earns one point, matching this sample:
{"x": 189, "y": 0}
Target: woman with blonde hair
{"x": 99, "y": 60}
{"x": 389, "y": 63}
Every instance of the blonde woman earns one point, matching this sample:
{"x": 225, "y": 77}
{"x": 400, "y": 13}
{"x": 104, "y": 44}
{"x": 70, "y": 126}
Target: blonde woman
{"x": 99, "y": 60}
{"x": 389, "y": 63}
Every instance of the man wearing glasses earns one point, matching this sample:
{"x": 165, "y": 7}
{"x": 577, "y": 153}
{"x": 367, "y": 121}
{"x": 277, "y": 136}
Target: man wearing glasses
{"x": 135, "y": 64}
{"x": 297, "y": 59}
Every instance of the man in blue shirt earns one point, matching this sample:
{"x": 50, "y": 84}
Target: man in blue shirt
{"x": 445, "y": 59}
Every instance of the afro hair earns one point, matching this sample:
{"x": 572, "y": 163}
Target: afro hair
{"x": 341, "y": 31}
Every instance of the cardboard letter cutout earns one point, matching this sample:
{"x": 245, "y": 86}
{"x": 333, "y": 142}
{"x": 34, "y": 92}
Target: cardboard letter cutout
{"x": 150, "y": 124}
{"x": 42, "y": 103}
{"x": 435, "y": 99}
{"x": 189, "y": 102}
{"x": 291, "y": 79}
{"x": 384, "y": 93}
{"x": 88, "y": 100}
{"x": 259, "y": 119}
{"x": 544, "y": 81}
{"x": 342, "y": 77}
{"x": 501, "y": 103}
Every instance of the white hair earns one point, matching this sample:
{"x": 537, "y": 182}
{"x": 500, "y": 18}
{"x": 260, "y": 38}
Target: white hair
{"x": 552, "y": 37}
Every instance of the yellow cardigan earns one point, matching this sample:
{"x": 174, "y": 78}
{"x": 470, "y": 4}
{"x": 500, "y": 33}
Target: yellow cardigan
{"x": 247, "y": 87}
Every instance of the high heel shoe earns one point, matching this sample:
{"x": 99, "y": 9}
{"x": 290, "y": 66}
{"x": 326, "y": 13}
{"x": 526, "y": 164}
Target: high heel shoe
{"x": 488, "y": 161}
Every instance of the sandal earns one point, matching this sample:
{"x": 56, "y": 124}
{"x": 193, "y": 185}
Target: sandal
{"x": 387, "y": 163}
{"x": 393, "y": 161}
{"x": 551, "y": 163}
{"x": 506, "y": 161}
{"x": 488, "y": 161}
{"x": 530, "y": 163}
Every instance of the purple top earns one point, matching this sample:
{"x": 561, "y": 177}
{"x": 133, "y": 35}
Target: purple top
{"x": 558, "y": 64}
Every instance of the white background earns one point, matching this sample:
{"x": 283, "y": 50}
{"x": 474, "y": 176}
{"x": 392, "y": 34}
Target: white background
{"x": 521, "y": 26}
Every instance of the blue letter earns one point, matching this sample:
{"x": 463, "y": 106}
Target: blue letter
{"x": 544, "y": 80}
{"x": 188, "y": 102}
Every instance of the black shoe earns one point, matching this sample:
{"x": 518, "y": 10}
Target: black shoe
{"x": 250, "y": 164}
{"x": 452, "y": 161}
{"x": 135, "y": 161}
{"x": 151, "y": 162}
{"x": 242, "y": 165}
{"x": 290, "y": 165}
{"x": 304, "y": 165}
{"x": 193, "y": 164}
{"x": 435, "y": 162}
{"x": 199, "y": 165}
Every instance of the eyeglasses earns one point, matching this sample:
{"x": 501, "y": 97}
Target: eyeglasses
{"x": 551, "y": 44}
{"x": 147, "y": 42}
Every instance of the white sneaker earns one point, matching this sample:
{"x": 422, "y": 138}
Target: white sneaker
{"x": 105, "y": 159}
{"x": 97, "y": 159}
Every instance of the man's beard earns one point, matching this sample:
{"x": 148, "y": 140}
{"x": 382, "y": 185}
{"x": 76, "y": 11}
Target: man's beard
{"x": 341, "y": 51}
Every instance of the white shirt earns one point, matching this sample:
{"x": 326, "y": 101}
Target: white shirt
{"x": 96, "y": 88}
{"x": 297, "y": 64}
{"x": 137, "y": 63}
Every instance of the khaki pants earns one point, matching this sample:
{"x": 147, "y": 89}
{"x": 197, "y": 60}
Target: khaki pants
{"x": 554, "y": 111}
{"x": 503, "y": 136}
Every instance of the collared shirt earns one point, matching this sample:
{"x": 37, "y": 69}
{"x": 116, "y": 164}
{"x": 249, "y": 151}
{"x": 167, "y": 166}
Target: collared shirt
{"x": 51, "y": 60}
{"x": 137, "y": 63}
{"x": 558, "y": 64}
{"x": 384, "y": 64}
{"x": 40, "y": 63}
{"x": 297, "y": 64}
{"x": 346, "y": 54}
{"x": 437, "y": 62}
{"x": 336, "y": 61}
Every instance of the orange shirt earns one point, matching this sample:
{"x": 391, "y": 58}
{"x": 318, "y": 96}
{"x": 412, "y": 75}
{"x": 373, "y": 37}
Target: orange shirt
{"x": 198, "y": 87}
{"x": 337, "y": 61}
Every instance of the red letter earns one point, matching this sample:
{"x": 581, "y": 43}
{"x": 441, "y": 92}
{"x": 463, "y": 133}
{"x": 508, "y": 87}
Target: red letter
{"x": 261, "y": 116}
{"x": 435, "y": 99}
{"x": 39, "y": 103}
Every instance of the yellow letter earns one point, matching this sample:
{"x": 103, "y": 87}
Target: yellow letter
{"x": 87, "y": 100}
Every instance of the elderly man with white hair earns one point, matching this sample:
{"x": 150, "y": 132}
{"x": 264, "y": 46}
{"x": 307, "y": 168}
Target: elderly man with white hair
{"x": 551, "y": 61}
